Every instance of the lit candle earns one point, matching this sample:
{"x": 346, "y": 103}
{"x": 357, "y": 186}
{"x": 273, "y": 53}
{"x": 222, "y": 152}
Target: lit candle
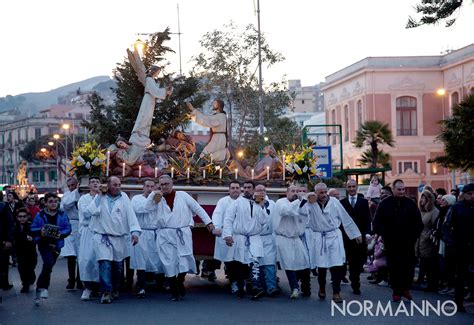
{"x": 187, "y": 173}
{"x": 123, "y": 169}
{"x": 211, "y": 157}
{"x": 220, "y": 173}
{"x": 140, "y": 171}
{"x": 268, "y": 173}
{"x": 204, "y": 174}
{"x": 156, "y": 172}
{"x": 284, "y": 167}
{"x": 108, "y": 163}
{"x": 172, "y": 172}
{"x": 236, "y": 173}
{"x": 253, "y": 174}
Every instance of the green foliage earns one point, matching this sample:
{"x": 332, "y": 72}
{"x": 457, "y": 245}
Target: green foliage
{"x": 228, "y": 67}
{"x": 435, "y": 11}
{"x": 373, "y": 134}
{"x": 103, "y": 121}
{"x": 457, "y": 136}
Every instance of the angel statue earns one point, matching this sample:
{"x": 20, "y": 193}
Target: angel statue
{"x": 140, "y": 138}
{"x": 21, "y": 174}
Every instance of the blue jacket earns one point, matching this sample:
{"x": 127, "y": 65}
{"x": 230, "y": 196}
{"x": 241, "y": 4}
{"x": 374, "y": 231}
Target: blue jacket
{"x": 62, "y": 222}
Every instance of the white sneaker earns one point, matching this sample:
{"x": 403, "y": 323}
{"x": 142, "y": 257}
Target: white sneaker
{"x": 295, "y": 294}
{"x": 233, "y": 287}
{"x": 141, "y": 293}
{"x": 383, "y": 284}
{"x": 44, "y": 293}
{"x": 86, "y": 295}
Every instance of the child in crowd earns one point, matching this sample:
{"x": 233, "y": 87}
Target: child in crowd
{"x": 25, "y": 249}
{"x": 378, "y": 267}
{"x": 375, "y": 189}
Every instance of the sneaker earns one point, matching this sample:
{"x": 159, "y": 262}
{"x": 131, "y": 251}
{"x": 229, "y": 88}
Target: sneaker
{"x": 322, "y": 293}
{"x": 44, "y": 293}
{"x": 344, "y": 280}
{"x": 115, "y": 294}
{"x": 70, "y": 286}
{"x": 295, "y": 294}
{"x": 141, "y": 293}
{"x": 383, "y": 284}
{"x": 233, "y": 287}
{"x": 273, "y": 292}
{"x": 79, "y": 285}
{"x": 106, "y": 298}
{"x": 86, "y": 295}
{"x": 337, "y": 298}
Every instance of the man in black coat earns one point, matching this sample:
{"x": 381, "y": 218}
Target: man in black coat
{"x": 398, "y": 221}
{"x": 6, "y": 240}
{"x": 356, "y": 255}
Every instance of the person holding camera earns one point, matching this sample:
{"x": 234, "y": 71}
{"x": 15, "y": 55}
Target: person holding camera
{"x": 49, "y": 228}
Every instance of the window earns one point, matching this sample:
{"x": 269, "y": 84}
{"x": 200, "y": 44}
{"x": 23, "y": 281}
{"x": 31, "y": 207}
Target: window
{"x": 346, "y": 123}
{"x": 333, "y": 121}
{"x": 403, "y": 166}
{"x": 359, "y": 113}
{"x": 302, "y": 101}
{"x": 406, "y": 115}
{"x": 454, "y": 99}
{"x": 37, "y": 133}
{"x": 38, "y": 176}
{"x": 52, "y": 175}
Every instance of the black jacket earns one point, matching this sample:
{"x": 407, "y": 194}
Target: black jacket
{"x": 360, "y": 213}
{"x": 6, "y": 224}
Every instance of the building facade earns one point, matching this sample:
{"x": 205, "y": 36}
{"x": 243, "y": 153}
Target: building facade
{"x": 405, "y": 93}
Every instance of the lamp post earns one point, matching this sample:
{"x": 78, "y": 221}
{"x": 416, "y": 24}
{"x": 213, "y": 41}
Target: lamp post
{"x": 56, "y": 137}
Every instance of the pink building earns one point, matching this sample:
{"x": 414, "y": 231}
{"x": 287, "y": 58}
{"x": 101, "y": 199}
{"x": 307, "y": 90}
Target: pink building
{"x": 402, "y": 92}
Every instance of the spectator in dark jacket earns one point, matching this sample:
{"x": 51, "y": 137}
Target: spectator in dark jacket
{"x": 25, "y": 249}
{"x": 6, "y": 240}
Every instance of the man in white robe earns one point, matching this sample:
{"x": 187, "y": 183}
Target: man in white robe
{"x": 71, "y": 243}
{"x": 291, "y": 244}
{"x": 87, "y": 261}
{"x": 222, "y": 252}
{"x": 326, "y": 214}
{"x": 175, "y": 211}
{"x": 243, "y": 222}
{"x": 144, "y": 256}
{"x": 217, "y": 146}
{"x": 268, "y": 261}
{"x": 113, "y": 221}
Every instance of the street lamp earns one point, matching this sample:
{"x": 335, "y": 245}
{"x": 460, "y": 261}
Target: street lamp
{"x": 51, "y": 143}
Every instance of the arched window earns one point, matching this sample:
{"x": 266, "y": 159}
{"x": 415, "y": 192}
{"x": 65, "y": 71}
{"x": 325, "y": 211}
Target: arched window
{"x": 359, "y": 113}
{"x": 346, "y": 123}
{"x": 454, "y": 99}
{"x": 406, "y": 115}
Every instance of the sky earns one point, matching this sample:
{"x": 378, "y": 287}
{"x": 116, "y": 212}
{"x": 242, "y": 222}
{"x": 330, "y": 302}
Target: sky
{"x": 50, "y": 43}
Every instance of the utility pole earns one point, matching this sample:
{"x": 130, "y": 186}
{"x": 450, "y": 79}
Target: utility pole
{"x": 260, "y": 78}
{"x": 179, "y": 41}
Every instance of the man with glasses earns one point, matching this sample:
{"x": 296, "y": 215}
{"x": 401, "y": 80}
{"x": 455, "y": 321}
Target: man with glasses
{"x": 174, "y": 211}
{"x": 398, "y": 221}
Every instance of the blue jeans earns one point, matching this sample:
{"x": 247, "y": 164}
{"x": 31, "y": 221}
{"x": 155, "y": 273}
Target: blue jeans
{"x": 270, "y": 276}
{"x": 49, "y": 255}
{"x": 110, "y": 273}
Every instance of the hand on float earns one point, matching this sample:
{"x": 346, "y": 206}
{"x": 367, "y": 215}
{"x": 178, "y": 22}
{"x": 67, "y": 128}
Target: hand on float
{"x": 134, "y": 240}
{"x": 229, "y": 241}
{"x": 210, "y": 227}
{"x": 217, "y": 232}
{"x": 311, "y": 197}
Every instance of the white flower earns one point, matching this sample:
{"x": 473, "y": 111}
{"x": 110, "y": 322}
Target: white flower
{"x": 88, "y": 165}
{"x": 290, "y": 168}
{"x": 305, "y": 169}
{"x": 81, "y": 161}
{"x": 96, "y": 161}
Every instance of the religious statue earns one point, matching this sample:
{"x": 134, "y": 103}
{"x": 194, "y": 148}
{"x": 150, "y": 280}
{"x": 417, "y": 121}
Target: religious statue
{"x": 217, "y": 146}
{"x": 22, "y": 173}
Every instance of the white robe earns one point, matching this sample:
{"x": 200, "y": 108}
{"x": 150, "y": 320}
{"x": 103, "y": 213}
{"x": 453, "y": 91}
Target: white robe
{"x": 217, "y": 146}
{"x": 112, "y": 228}
{"x": 87, "y": 261}
{"x": 268, "y": 238}
{"x": 325, "y": 242}
{"x": 144, "y": 255}
{"x": 290, "y": 226}
{"x": 69, "y": 205}
{"x": 245, "y": 227}
{"x": 174, "y": 240}
{"x": 222, "y": 252}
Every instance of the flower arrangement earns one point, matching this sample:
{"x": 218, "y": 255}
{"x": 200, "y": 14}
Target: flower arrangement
{"x": 88, "y": 160}
{"x": 300, "y": 164}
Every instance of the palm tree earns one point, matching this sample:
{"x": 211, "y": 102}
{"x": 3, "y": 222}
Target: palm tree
{"x": 373, "y": 134}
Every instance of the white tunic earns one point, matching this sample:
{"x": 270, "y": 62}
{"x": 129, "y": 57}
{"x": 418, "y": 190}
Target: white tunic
{"x": 112, "y": 227}
{"x": 289, "y": 230}
{"x": 268, "y": 238}
{"x": 69, "y": 205}
{"x": 222, "y": 252}
{"x": 217, "y": 146}
{"x": 174, "y": 240}
{"x": 87, "y": 261}
{"x": 244, "y": 221}
{"x": 144, "y": 255}
{"x": 325, "y": 243}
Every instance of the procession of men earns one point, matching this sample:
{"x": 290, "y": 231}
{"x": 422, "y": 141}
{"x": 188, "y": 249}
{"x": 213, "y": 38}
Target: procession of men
{"x": 107, "y": 237}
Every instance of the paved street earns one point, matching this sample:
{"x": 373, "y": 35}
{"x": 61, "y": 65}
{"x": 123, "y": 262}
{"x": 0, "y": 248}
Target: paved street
{"x": 205, "y": 303}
